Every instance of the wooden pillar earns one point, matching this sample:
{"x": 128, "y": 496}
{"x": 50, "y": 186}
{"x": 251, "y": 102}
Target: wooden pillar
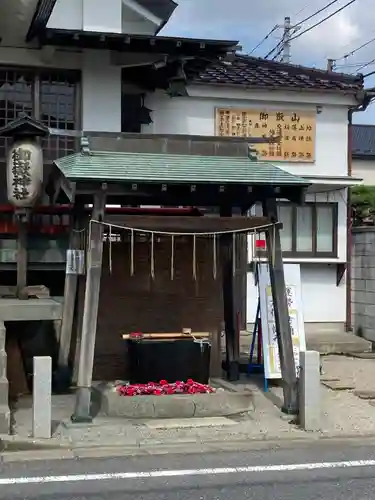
{"x": 82, "y": 411}
{"x": 229, "y": 303}
{"x": 70, "y": 292}
{"x": 22, "y": 218}
{"x": 281, "y": 312}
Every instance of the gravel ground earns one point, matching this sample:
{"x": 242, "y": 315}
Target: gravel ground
{"x": 343, "y": 411}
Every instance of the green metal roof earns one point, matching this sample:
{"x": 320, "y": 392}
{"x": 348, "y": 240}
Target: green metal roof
{"x": 169, "y": 168}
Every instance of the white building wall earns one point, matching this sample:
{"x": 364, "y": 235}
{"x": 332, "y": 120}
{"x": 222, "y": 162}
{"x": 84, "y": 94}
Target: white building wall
{"x": 109, "y": 16}
{"x": 323, "y": 301}
{"x": 364, "y": 169}
{"x": 101, "y": 93}
{"x": 196, "y": 115}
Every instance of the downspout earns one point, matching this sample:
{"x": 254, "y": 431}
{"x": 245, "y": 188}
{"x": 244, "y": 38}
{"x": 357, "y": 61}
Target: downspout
{"x": 365, "y": 99}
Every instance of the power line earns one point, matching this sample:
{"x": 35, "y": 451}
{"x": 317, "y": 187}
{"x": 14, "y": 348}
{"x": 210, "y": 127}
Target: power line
{"x": 365, "y": 65}
{"x": 323, "y": 20}
{"x": 356, "y": 50}
{"x": 298, "y": 25}
{"x": 317, "y": 12}
{"x": 349, "y": 65}
{"x": 279, "y": 45}
{"x": 264, "y": 39}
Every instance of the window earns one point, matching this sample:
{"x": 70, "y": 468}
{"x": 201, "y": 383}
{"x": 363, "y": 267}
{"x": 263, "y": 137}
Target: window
{"x": 309, "y": 230}
{"x": 47, "y": 95}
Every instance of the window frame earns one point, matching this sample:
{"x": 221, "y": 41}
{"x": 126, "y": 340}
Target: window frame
{"x": 314, "y": 254}
{"x": 36, "y": 76}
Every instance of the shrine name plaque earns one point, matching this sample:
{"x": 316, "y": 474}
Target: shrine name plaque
{"x": 296, "y": 130}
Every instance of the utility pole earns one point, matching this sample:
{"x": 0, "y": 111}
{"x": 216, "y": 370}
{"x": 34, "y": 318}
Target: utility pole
{"x": 285, "y": 58}
{"x": 285, "y": 43}
{"x": 330, "y": 64}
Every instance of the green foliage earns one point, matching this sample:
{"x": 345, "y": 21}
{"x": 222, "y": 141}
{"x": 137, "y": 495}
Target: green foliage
{"x": 363, "y": 205}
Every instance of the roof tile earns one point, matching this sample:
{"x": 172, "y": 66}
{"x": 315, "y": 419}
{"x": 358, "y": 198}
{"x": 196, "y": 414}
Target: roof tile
{"x": 253, "y": 72}
{"x": 363, "y": 140}
{"x": 179, "y": 169}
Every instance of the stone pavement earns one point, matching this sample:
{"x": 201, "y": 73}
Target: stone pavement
{"x": 345, "y": 413}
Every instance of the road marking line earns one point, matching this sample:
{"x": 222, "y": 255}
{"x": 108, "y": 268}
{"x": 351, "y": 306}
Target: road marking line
{"x": 187, "y": 472}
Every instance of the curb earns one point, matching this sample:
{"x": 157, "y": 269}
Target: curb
{"x": 185, "y": 447}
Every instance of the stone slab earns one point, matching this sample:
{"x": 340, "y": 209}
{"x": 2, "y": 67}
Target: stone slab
{"x": 364, "y": 355}
{"x": 219, "y": 404}
{"x": 30, "y": 310}
{"x": 325, "y": 378}
{"x": 338, "y": 385}
{"x": 180, "y": 423}
{"x": 365, "y": 394}
{"x": 337, "y": 343}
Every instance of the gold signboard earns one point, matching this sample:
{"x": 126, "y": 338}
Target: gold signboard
{"x": 295, "y": 129}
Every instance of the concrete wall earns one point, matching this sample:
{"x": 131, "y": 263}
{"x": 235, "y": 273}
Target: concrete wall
{"x": 364, "y": 169}
{"x": 363, "y": 284}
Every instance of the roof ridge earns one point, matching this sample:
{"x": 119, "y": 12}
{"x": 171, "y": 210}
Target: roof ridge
{"x": 286, "y": 66}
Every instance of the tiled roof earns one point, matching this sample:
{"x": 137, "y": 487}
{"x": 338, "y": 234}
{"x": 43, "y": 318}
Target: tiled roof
{"x": 170, "y": 168}
{"x": 258, "y": 73}
{"x": 363, "y": 141}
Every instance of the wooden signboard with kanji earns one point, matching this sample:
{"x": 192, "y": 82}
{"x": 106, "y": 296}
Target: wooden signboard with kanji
{"x": 296, "y": 130}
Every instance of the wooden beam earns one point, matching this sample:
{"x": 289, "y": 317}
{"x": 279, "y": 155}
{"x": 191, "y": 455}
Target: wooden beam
{"x": 188, "y": 224}
{"x": 70, "y": 292}
{"x": 82, "y": 411}
{"x": 229, "y": 302}
{"x": 281, "y": 311}
{"x": 22, "y": 255}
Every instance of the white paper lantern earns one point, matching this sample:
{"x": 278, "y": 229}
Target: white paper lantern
{"x": 24, "y": 173}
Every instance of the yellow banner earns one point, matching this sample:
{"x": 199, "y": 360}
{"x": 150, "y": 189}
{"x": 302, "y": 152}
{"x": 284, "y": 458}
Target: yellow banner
{"x": 296, "y": 130}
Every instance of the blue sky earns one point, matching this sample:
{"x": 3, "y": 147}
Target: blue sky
{"x": 250, "y": 21}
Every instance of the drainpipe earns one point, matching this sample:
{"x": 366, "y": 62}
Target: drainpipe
{"x": 348, "y": 324}
{"x": 365, "y": 99}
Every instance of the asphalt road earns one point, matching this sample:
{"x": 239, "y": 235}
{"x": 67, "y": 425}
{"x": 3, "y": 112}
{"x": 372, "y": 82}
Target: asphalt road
{"x": 339, "y": 472}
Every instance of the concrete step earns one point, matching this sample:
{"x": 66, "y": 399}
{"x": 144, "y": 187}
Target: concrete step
{"x": 337, "y": 343}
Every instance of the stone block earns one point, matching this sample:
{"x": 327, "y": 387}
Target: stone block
{"x": 369, "y": 334}
{"x": 224, "y": 403}
{"x": 114, "y": 405}
{"x": 358, "y": 285}
{"x": 356, "y": 261}
{"x": 339, "y": 385}
{"x": 4, "y": 419}
{"x": 175, "y": 407}
{"x": 219, "y": 404}
{"x": 4, "y": 391}
{"x": 369, "y": 273}
{"x": 369, "y": 311}
{"x": 42, "y": 397}
{"x": 309, "y": 391}
{"x": 3, "y": 364}
{"x": 369, "y": 298}
{"x": 365, "y": 394}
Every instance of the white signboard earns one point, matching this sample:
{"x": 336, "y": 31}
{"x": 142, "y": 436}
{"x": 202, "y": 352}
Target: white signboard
{"x": 75, "y": 262}
{"x": 271, "y": 356}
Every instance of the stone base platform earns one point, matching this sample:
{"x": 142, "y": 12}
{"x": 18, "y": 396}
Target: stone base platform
{"x": 218, "y": 404}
